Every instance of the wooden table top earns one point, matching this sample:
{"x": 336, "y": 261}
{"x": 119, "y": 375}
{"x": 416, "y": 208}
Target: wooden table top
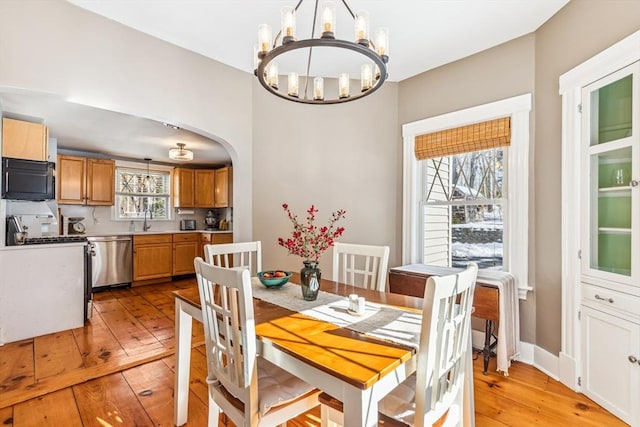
{"x": 353, "y": 357}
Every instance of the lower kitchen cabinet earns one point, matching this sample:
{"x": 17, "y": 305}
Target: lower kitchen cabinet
{"x": 185, "y": 249}
{"x": 213, "y": 238}
{"x": 152, "y": 256}
{"x": 611, "y": 362}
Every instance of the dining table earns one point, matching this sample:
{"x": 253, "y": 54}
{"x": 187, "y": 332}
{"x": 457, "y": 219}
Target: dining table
{"x": 355, "y": 367}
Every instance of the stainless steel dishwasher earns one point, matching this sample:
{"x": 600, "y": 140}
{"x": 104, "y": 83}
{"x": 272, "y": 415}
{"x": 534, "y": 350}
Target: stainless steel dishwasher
{"x": 112, "y": 261}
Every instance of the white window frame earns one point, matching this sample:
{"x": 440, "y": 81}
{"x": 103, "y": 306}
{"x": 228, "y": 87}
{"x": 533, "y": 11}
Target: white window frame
{"x": 516, "y": 226}
{"x": 143, "y": 166}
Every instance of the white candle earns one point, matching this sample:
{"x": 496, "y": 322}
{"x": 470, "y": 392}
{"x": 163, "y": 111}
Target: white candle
{"x": 318, "y": 88}
{"x": 343, "y": 84}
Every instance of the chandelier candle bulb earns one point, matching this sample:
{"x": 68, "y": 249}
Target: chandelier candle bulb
{"x": 288, "y": 25}
{"x": 318, "y": 88}
{"x": 272, "y": 75}
{"x": 328, "y": 19}
{"x": 343, "y": 83}
{"x": 264, "y": 39}
{"x": 366, "y": 77}
{"x": 362, "y": 27}
{"x": 256, "y": 58}
{"x": 293, "y": 84}
{"x": 382, "y": 43}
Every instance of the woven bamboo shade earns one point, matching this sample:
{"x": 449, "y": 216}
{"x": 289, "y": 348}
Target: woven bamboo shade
{"x": 476, "y": 137}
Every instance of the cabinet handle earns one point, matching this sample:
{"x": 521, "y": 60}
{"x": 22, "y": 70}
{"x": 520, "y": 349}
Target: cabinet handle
{"x": 634, "y": 183}
{"x": 604, "y": 299}
{"x": 633, "y": 359}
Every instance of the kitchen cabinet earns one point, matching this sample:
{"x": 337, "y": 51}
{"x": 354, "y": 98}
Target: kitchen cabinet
{"x": 183, "y": 188}
{"x": 193, "y": 188}
{"x": 611, "y": 352}
{"x": 204, "y": 188}
{"x": 224, "y": 187}
{"x": 152, "y": 256}
{"x": 85, "y": 181}
{"x": 213, "y": 239}
{"x": 185, "y": 250}
{"x": 25, "y": 140}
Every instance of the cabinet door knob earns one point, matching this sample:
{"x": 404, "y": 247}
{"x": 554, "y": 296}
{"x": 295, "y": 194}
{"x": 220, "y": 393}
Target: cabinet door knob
{"x": 633, "y": 359}
{"x": 610, "y": 300}
{"x": 634, "y": 182}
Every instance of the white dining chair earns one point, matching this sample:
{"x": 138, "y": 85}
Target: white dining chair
{"x": 435, "y": 392}
{"x": 364, "y": 266}
{"x": 238, "y": 254}
{"x": 248, "y": 389}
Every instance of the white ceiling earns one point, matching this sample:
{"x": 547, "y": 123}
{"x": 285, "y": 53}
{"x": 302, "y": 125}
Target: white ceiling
{"x": 424, "y": 34}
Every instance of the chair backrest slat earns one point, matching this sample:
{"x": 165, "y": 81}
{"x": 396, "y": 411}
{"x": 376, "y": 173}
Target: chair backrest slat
{"x": 240, "y": 254}
{"x": 363, "y": 266}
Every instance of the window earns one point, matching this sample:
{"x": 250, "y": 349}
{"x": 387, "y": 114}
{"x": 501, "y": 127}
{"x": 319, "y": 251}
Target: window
{"x": 139, "y": 192}
{"x": 463, "y": 210}
{"x": 498, "y": 200}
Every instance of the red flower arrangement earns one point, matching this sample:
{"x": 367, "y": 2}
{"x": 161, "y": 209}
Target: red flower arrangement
{"x": 308, "y": 240}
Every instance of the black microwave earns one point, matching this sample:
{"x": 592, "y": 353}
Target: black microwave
{"x": 27, "y": 179}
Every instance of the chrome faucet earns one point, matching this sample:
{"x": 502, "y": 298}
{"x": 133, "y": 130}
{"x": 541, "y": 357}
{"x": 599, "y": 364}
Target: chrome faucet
{"x": 146, "y": 225}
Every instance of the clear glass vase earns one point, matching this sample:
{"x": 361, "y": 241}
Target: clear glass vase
{"x": 310, "y": 280}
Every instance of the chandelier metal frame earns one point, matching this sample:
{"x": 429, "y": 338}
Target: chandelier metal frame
{"x": 365, "y": 48}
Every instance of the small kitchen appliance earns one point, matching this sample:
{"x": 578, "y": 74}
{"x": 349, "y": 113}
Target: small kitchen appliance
{"x": 210, "y": 221}
{"x": 187, "y": 224}
{"x": 76, "y": 226}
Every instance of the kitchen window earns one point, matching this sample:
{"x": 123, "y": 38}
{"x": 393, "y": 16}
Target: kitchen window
{"x": 498, "y": 197}
{"x": 142, "y": 191}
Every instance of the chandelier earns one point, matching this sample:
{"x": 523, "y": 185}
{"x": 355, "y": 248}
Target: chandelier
{"x": 180, "y": 153}
{"x": 324, "y": 65}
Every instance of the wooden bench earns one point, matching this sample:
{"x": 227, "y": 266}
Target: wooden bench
{"x": 485, "y": 302}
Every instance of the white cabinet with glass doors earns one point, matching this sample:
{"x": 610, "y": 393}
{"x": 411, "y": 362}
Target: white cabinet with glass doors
{"x": 610, "y": 242}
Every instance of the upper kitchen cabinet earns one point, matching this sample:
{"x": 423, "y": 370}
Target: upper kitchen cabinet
{"x": 25, "y": 140}
{"x": 193, "y": 188}
{"x": 85, "y": 181}
{"x": 224, "y": 187}
{"x": 183, "y": 188}
{"x": 204, "y": 188}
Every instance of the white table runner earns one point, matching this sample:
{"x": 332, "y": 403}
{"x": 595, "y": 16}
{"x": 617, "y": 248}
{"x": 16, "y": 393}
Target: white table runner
{"x": 379, "y": 321}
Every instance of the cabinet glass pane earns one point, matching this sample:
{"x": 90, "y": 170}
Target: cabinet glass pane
{"x": 611, "y": 111}
{"x": 611, "y": 211}
{"x": 614, "y": 253}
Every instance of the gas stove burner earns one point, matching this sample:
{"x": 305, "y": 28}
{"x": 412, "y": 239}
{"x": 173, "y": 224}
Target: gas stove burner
{"x": 54, "y": 239}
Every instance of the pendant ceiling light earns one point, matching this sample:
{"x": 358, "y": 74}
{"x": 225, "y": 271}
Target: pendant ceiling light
{"x": 180, "y": 153}
{"x": 325, "y": 65}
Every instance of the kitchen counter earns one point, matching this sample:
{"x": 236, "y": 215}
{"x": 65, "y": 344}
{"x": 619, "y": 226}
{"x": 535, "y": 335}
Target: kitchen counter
{"x": 142, "y": 233}
{"x": 45, "y": 246}
{"x": 41, "y": 289}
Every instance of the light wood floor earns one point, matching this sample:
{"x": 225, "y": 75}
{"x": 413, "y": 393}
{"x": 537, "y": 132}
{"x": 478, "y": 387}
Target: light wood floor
{"x": 118, "y": 370}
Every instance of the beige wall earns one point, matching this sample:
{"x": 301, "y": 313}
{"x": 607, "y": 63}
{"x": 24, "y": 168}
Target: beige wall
{"x": 53, "y": 47}
{"x": 343, "y": 156}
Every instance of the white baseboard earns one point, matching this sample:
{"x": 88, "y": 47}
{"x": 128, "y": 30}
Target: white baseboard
{"x": 536, "y": 356}
{"x": 568, "y": 371}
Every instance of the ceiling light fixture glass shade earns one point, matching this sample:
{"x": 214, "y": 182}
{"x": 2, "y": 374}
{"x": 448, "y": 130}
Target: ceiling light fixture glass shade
{"x": 317, "y": 69}
{"x": 180, "y": 153}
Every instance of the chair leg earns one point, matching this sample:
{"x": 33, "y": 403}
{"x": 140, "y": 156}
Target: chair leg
{"x": 486, "y": 351}
{"x": 214, "y": 413}
{"x": 329, "y": 417}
